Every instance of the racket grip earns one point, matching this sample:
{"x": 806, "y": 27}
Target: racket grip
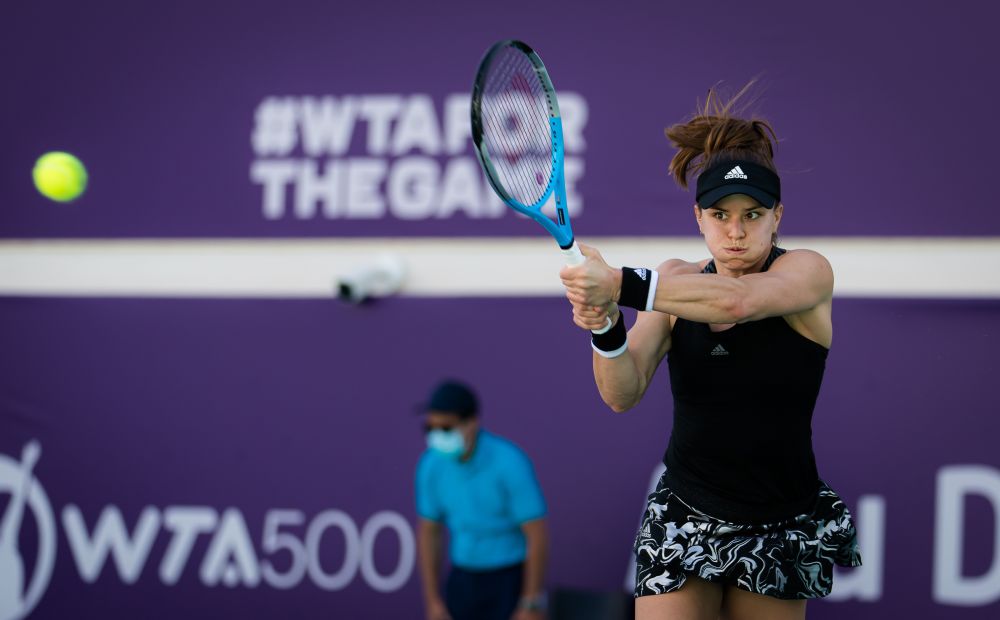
{"x": 575, "y": 257}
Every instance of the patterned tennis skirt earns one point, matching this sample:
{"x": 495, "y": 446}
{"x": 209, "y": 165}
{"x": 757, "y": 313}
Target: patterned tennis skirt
{"x": 791, "y": 559}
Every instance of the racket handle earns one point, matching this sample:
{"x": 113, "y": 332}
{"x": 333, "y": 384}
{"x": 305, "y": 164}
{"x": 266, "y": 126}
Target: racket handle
{"x": 575, "y": 257}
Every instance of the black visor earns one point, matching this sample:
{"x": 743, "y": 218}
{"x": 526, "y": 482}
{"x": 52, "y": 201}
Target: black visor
{"x": 738, "y": 177}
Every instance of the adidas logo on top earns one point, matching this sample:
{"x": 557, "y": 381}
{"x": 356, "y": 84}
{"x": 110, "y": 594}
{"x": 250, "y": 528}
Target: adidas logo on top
{"x": 736, "y": 173}
{"x": 719, "y": 350}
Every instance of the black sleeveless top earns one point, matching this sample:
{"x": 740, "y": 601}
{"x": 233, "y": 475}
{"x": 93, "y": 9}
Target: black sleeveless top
{"x": 741, "y": 445}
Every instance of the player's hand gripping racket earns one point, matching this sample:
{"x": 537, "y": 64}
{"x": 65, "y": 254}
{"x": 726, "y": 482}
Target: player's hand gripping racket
{"x": 517, "y": 130}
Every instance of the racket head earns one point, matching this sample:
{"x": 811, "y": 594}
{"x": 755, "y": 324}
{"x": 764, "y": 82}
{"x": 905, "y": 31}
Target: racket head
{"x": 517, "y": 132}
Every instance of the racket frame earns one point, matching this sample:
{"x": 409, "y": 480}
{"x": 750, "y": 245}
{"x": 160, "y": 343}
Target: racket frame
{"x": 560, "y": 229}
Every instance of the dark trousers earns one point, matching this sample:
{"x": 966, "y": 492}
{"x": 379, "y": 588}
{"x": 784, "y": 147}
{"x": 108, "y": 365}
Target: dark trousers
{"x": 483, "y": 595}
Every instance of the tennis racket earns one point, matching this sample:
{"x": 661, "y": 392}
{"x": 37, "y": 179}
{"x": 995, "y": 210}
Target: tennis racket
{"x": 517, "y": 132}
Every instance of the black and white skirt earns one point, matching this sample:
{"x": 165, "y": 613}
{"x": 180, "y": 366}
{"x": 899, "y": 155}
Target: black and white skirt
{"x": 790, "y": 559}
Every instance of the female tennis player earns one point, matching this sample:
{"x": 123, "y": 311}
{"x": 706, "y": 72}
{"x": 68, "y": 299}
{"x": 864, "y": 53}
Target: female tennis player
{"x": 740, "y": 526}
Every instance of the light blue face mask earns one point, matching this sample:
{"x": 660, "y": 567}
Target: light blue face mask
{"x": 448, "y": 443}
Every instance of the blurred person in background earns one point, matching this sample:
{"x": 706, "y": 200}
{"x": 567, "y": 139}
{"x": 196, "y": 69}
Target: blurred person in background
{"x": 481, "y": 488}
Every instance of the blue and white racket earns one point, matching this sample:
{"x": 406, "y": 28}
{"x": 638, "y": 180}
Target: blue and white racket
{"x": 517, "y": 130}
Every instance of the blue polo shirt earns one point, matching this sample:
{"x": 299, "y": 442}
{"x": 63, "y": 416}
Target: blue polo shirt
{"x": 482, "y": 501}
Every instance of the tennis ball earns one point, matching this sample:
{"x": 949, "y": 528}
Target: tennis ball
{"x": 60, "y": 176}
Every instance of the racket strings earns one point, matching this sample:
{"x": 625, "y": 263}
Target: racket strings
{"x": 500, "y": 90}
{"x": 534, "y": 86}
{"x": 517, "y": 131}
{"x": 513, "y": 161}
{"x": 512, "y": 152}
{"x": 507, "y": 154}
{"x": 534, "y": 166}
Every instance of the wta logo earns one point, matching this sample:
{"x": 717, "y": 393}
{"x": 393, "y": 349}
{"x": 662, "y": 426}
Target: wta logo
{"x": 292, "y": 549}
{"x": 19, "y": 590}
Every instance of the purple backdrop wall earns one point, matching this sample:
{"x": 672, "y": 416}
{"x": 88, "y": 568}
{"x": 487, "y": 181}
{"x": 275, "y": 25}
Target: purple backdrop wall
{"x": 255, "y": 458}
{"x": 307, "y": 406}
{"x": 174, "y": 106}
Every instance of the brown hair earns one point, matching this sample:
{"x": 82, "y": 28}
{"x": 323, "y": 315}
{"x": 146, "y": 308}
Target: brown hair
{"x": 715, "y": 134}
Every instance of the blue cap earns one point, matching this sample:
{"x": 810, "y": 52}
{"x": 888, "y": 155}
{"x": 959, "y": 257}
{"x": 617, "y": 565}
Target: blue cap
{"x": 452, "y": 397}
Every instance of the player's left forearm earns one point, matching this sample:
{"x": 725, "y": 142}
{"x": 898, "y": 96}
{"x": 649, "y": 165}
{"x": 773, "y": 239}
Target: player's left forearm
{"x": 702, "y": 297}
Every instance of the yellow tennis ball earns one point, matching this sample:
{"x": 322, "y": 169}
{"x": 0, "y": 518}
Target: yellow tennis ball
{"x": 60, "y": 176}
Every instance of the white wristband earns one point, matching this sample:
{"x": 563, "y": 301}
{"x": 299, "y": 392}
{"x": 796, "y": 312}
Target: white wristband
{"x": 651, "y": 297}
{"x": 611, "y": 354}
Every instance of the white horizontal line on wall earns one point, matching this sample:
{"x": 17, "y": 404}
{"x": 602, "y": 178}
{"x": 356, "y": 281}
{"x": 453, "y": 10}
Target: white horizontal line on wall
{"x": 944, "y": 267}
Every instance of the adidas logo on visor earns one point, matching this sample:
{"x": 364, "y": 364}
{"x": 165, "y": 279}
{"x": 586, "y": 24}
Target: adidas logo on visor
{"x": 736, "y": 173}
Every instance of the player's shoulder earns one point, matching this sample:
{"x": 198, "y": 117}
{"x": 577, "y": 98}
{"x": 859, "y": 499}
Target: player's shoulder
{"x": 677, "y": 266}
{"x": 808, "y": 268}
{"x": 803, "y": 259}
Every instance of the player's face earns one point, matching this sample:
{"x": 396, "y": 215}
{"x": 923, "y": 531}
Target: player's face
{"x": 738, "y": 232}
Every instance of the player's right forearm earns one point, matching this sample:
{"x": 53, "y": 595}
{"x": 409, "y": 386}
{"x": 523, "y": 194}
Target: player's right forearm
{"x": 619, "y": 381}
